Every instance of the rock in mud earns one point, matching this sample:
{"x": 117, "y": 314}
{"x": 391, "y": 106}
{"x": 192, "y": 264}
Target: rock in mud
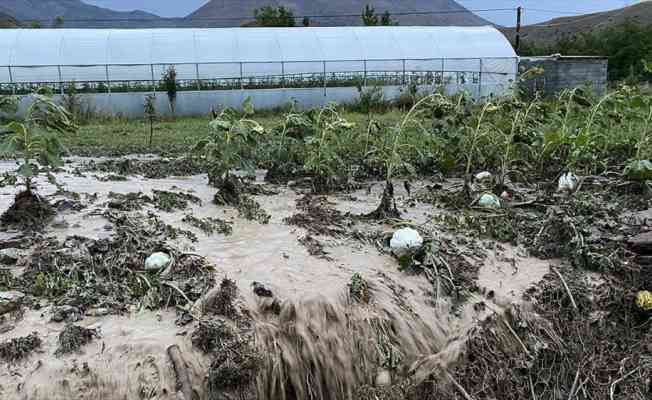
{"x": 157, "y": 262}
{"x": 262, "y": 290}
{"x": 10, "y": 256}
{"x": 405, "y": 241}
{"x": 10, "y": 301}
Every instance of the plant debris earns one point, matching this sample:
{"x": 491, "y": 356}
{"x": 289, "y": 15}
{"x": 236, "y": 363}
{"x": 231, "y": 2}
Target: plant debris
{"x": 318, "y": 217}
{"x": 163, "y": 200}
{"x": 223, "y": 301}
{"x": 212, "y": 335}
{"x": 359, "y": 289}
{"x": 170, "y": 201}
{"x": 315, "y": 247}
{"x": 110, "y": 273}
{"x": 19, "y": 348}
{"x": 150, "y": 169}
{"x": 209, "y": 225}
{"x": 73, "y": 338}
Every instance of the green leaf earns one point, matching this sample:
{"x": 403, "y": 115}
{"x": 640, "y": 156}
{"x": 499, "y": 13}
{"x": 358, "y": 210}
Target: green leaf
{"x": 247, "y": 106}
{"x": 26, "y": 170}
{"x": 220, "y": 125}
{"x": 638, "y": 171}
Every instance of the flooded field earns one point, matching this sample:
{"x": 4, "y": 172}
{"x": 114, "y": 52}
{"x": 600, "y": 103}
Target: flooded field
{"x": 406, "y": 328}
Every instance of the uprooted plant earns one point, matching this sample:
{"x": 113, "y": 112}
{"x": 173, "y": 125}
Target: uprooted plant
{"x": 35, "y": 140}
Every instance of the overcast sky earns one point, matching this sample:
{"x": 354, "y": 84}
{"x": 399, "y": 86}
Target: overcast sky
{"x": 539, "y": 10}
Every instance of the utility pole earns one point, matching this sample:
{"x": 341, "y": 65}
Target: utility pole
{"x": 517, "y": 42}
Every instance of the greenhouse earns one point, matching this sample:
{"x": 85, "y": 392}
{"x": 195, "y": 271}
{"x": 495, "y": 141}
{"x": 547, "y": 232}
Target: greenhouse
{"x": 115, "y": 69}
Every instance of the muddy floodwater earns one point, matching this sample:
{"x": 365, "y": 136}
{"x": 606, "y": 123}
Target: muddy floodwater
{"x": 128, "y": 359}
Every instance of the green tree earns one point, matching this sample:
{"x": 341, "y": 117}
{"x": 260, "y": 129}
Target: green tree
{"x": 35, "y": 25}
{"x": 169, "y": 80}
{"x": 625, "y": 45}
{"x": 386, "y": 19}
{"x": 274, "y": 16}
{"x": 58, "y": 22}
{"x": 369, "y": 17}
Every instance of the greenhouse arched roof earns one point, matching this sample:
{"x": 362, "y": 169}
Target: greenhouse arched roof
{"x": 81, "y": 47}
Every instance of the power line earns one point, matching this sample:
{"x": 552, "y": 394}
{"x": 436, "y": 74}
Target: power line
{"x": 190, "y": 19}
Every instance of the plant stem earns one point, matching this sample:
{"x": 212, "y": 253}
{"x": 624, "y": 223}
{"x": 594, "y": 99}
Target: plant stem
{"x": 643, "y": 138}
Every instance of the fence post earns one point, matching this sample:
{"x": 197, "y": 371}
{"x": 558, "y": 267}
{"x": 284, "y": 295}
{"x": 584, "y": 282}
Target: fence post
{"x": 241, "y": 78}
{"x": 364, "y": 82}
{"x": 480, "y": 81}
{"x": 443, "y": 67}
{"x": 197, "y": 75}
{"x": 151, "y": 67}
{"x": 11, "y": 80}
{"x": 403, "y": 72}
{"x": 324, "y": 73}
{"x": 108, "y": 80}
{"x": 60, "y": 80}
{"x": 283, "y": 74}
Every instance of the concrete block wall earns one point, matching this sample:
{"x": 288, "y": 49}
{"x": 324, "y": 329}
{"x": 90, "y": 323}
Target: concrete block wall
{"x": 566, "y": 73}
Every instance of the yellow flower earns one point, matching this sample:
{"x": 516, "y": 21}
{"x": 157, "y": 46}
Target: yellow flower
{"x": 644, "y": 300}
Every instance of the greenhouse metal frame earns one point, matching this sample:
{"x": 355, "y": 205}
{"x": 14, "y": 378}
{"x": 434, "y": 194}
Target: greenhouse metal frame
{"x": 478, "y": 60}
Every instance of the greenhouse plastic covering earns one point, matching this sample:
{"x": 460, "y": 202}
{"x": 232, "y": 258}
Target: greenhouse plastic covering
{"x": 55, "y": 55}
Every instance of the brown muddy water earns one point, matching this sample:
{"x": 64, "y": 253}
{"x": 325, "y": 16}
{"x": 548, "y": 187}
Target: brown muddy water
{"x": 318, "y": 334}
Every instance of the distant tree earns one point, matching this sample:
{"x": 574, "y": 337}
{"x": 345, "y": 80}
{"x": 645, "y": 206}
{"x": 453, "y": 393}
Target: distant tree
{"x": 369, "y": 17}
{"x": 58, "y": 22}
{"x": 169, "y": 80}
{"x": 386, "y": 19}
{"x": 625, "y": 45}
{"x": 274, "y": 16}
{"x": 35, "y": 25}
{"x": 306, "y": 21}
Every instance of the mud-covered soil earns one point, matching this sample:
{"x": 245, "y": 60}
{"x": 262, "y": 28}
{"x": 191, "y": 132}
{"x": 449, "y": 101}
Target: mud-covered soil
{"x": 533, "y": 300}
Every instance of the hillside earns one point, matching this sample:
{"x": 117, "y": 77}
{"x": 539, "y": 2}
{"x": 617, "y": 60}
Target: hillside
{"x": 75, "y": 10}
{"x": 7, "y": 21}
{"x": 568, "y": 27}
{"x": 454, "y": 14}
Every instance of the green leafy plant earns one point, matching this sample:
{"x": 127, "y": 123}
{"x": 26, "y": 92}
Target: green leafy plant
{"x": 35, "y": 140}
{"x": 324, "y": 150}
{"x": 231, "y": 142}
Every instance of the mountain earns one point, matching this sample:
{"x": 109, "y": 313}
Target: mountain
{"x": 7, "y": 21}
{"x": 220, "y": 13}
{"x": 567, "y": 27}
{"x": 223, "y": 13}
{"x": 76, "y": 14}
